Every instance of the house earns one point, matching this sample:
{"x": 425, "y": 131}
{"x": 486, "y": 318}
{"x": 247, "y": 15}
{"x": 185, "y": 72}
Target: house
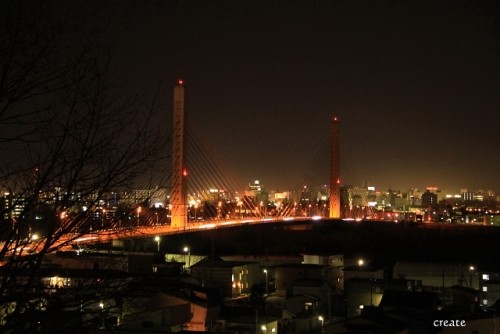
{"x": 158, "y": 313}
{"x": 287, "y": 274}
{"x": 489, "y": 284}
{"x": 205, "y": 306}
{"x": 375, "y": 322}
{"x": 250, "y": 325}
{"x": 364, "y": 269}
{"x": 462, "y": 299}
{"x": 437, "y": 274}
{"x": 420, "y": 301}
{"x": 302, "y": 312}
{"x": 231, "y": 278}
{"x": 363, "y": 292}
{"x": 332, "y": 265}
{"x": 187, "y": 307}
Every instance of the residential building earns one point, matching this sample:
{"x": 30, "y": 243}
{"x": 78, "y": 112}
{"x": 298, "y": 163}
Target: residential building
{"x": 231, "y": 278}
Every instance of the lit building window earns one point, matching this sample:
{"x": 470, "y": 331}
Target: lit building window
{"x": 485, "y": 301}
{"x": 486, "y": 277}
{"x": 485, "y": 289}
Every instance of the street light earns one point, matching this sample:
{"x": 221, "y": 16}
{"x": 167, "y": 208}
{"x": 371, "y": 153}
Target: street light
{"x": 471, "y": 272}
{"x": 158, "y": 239}
{"x": 188, "y": 251}
{"x": 101, "y": 306}
{"x": 267, "y": 283}
{"x": 320, "y": 318}
{"x": 103, "y": 214}
{"x": 139, "y": 209}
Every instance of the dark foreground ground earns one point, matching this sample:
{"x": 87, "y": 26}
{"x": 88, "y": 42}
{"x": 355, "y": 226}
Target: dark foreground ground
{"x": 385, "y": 240}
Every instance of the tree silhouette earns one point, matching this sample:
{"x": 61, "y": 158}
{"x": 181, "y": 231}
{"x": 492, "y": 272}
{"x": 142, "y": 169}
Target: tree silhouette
{"x": 68, "y": 137}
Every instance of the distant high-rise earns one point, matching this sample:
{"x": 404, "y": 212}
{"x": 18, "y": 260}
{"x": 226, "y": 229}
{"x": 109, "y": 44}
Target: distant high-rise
{"x": 429, "y": 199}
{"x": 335, "y": 170}
{"x": 179, "y": 170}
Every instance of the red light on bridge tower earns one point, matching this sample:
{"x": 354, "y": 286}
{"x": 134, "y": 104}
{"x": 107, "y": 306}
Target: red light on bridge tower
{"x": 335, "y": 170}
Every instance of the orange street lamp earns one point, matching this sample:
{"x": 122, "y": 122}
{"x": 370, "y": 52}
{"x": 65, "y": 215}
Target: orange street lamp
{"x": 158, "y": 239}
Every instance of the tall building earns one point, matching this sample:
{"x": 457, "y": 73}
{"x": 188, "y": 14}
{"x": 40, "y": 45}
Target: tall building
{"x": 257, "y": 191}
{"x": 429, "y": 199}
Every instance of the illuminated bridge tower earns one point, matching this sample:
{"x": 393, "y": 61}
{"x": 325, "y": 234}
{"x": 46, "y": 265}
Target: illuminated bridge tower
{"x": 178, "y": 197}
{"x": 335, "y": 170}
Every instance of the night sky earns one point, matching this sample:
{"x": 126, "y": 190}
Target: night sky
{"x": 415, "y": 84}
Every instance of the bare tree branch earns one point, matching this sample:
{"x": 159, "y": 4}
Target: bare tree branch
{"x": 70, "y": 135}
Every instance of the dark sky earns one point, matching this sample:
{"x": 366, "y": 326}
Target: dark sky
{"x": 415, "y": 84}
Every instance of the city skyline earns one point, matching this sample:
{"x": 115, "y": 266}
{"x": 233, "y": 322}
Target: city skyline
{"x": 431, "y": 187}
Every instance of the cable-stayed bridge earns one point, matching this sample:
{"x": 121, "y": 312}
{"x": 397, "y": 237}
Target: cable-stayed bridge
{"x": 194, "y": 189}
{"x": 189, "y": 157}
{"x": 198, "y": 190}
